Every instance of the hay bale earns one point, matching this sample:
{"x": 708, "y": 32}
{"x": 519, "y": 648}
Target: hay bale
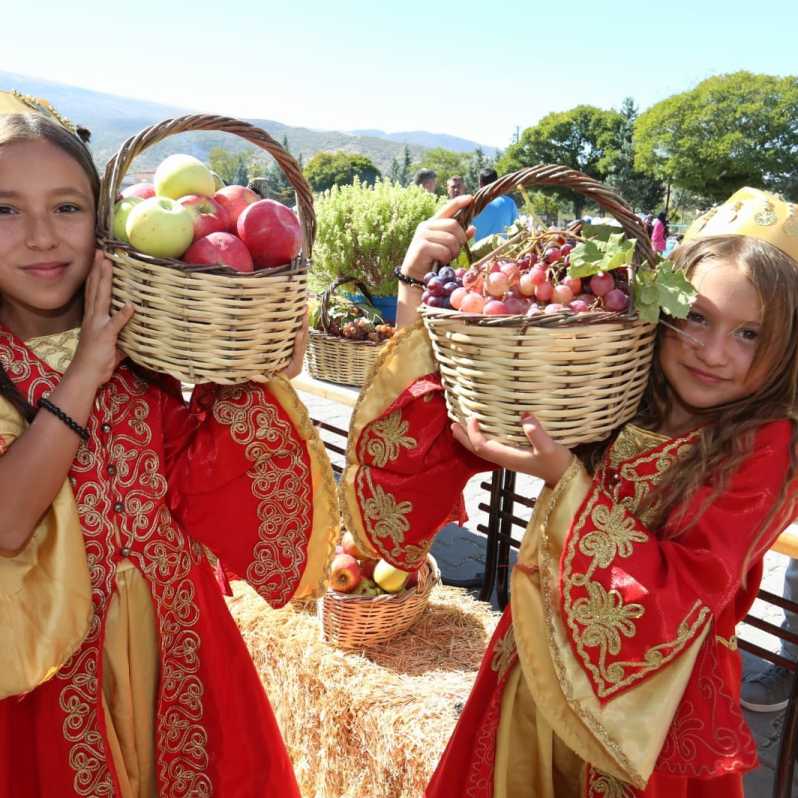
{"x": 369, "y": 724}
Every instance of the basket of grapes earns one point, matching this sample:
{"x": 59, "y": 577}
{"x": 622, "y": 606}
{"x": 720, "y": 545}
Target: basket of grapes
{"x": 346, "y": 336}
{"x": 217, "y": 275}
{"x": 551, "y": 322}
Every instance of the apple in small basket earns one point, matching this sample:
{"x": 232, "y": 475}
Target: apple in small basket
{"x": 234, "y": 199}
{"x": 220, "y": 249}
{"x": 180, "y": 175}
{"x": 122, "y": 210}
{"x": 351, "y": 548}
{"x": 344, "y": 573}
{"x": 209, "y": 216}
{"x": 271, "y": 232}
{"x": 390, "y": 578}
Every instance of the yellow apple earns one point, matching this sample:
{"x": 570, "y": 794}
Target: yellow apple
{"x": 180, "y": 175}
{"x": 389, "y": 578}
{"x": 122, "y": 210}
{"x": 160, "y": 227}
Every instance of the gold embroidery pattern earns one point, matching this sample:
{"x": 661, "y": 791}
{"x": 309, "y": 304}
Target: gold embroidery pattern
{"x": 384, "y": 439}
{"x": 767, "y": 216}
{"x": 728, "y": 642}
{"x": 599, "y": 619}
{"x": 281, "y": 481}
{"x": 56, "y": 350}
{"x": 504, "y": 653}
{"x": 602, "y": 785}
{"x": 790, "y": 226}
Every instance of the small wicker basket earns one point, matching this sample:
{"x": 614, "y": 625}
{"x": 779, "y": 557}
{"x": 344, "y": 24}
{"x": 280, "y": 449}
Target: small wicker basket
{"x": 352, "y": 622}
{"x": 335, "y": 359}
{"x": 200, "y": 323}
{"x": 581, "y": 375}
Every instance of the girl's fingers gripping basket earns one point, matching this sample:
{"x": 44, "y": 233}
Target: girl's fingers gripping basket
{"x": 582, "y": 374}
{"x": 207, "y": 324}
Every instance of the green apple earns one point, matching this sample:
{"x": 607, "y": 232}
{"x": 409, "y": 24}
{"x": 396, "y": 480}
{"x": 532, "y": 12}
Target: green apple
{"x": 122, "y": 210}
{"x": 180, "y": 175}
{"x": 160, "y": 227}
{"x": 389, "y": 578}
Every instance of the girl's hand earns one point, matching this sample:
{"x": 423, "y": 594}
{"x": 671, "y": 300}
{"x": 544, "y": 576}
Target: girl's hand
{"x": 437, "y": 240}
{"x": 294, "y": 367}
{"x": 547, "y": 460}
{"x": 97, "y": 355}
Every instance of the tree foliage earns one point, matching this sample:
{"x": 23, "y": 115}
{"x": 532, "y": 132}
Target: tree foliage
{"x": 444, "y": 163}
{"x": 584, "y": 138}
{"x": 642, "y": 191}
{"x": 327, "y": 169}
{"x": 729, "y": 131}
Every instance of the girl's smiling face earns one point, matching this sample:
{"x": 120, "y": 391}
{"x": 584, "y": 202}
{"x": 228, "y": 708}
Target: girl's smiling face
{"x": 718, "y": 363}
{"x": 47, "y": 240}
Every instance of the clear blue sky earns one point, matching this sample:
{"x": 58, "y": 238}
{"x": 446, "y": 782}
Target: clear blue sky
{"x": 475, "y": 70}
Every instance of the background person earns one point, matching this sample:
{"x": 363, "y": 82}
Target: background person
{"x": 455, "y": 186}
{"x": 498, "y": 214}
{"x": 427, "y": 179}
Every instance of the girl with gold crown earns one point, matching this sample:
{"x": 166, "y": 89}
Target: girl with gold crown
{"x": 121, "y": 671}
{"x": 614, "y": 670}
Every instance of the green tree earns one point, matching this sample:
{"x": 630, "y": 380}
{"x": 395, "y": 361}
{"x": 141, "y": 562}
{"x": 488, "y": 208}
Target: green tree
{"x": 406, "y": 173}
{"x": 327, "y": 169}
{"x": 642, "y": 191}
{"x": 229, "y": 165}
{"x": 729, "y": 131}
{"x": 584, "y": 138}
{"x": 444, "y": 163}
{"x": 395, "y": 173}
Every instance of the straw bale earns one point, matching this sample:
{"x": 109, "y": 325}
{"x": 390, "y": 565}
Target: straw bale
{"x": 368, "y": 724}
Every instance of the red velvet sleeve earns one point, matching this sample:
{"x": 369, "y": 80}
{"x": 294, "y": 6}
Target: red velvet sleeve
{"x": 405, "y": 475}
{"x": 249, "y": 479}
{"x": 633, "y": 599}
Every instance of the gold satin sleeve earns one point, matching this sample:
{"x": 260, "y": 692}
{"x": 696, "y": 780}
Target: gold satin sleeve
{"x": 326, "y": 527}
{"x": 622, "y": 737}
{"x": 407, "y": 357}
{"x": 45, "y": 591}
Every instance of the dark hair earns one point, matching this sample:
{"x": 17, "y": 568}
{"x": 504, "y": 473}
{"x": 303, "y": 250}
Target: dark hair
{"x": 423, "y": 175}
{"x": 487, "y": 175}
{"x": 18, "y": 128}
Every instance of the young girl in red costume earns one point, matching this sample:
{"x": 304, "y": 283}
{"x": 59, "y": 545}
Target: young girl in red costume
{"x": 121, "y": 670}
{"x": 614, "y": 671}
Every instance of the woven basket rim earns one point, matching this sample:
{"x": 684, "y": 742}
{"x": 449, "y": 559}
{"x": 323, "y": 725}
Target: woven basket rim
{"x": 326, "y": 337}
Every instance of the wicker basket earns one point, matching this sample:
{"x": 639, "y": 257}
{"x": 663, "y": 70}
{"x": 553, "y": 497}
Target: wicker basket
{"x": 200, "y": 323}
{"x": 336, "y": 359}
{"x": 581, "y": 375}
{"x": 351, "y": 622}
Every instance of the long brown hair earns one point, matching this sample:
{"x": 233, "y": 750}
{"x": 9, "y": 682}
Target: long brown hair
{"x": 727, "y": 438}
{"x": 18, "y": 128}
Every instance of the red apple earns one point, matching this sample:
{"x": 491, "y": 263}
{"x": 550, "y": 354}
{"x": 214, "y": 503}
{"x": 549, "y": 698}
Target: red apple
{"x": 271, "y": 232}
{"x": 221, "y": 249}
{"x": 412, "y": 580}
{"x": 344, "y": 573}
{"x": 234, "y": 199}
{"x": 143, "y": 190}
{"x": 209, "y": 216}
{"x": 351, "y": 548}
{"x": 367, "y": 568}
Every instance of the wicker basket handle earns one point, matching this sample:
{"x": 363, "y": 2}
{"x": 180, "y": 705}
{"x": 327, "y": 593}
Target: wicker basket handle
{"x": 563, "y": 177}
{"x": 324, "y": 302}
{"x": 118, "y": 166}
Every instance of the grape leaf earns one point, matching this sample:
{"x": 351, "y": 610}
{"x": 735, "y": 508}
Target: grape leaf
{"x": 593, "y": 256}
{"x": 665, "y": 288}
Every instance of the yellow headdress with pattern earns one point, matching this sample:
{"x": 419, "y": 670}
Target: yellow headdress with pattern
{"x": 14, "y": 102}
{"x": 755, "y": 213}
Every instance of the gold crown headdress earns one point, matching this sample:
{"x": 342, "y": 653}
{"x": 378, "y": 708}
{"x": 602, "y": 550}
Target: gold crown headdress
{"x": 755, "y": 213}
{"x": 15, "y": 102}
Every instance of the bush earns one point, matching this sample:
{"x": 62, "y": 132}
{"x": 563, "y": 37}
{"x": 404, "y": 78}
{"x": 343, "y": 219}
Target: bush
{"x": 365, "y": 231}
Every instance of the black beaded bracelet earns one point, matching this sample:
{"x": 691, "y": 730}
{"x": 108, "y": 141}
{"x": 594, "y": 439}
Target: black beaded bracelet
{"x": 406, "y": 279}
{"x": 82, "y": 432}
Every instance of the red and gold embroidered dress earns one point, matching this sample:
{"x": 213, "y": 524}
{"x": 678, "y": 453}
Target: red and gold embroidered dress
{"x": 121, "y": 670}
{"x": 614, "y": 672}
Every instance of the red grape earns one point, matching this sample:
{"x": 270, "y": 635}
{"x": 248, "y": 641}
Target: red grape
{"x": 574, "y": 283}
{"x": 435, "y": 287}
{"x": 579, "y": 306}
{"x": 552, "y": 254}
{"x": 498, "y": 284}
{"x": 470, "y": 278}
{"x": 495, "y": 308}
{"x": 526, "y": 284}
{"x": 516, "y": 306}
{"x": 544, "y": 291}
{"x": 602, "y": 283}
{"x": 538, "y": 275}
{"x": 562, "y": 294}
{"x": 457, "y": 297}
{"x": 472, "y": 303}
{"x": 616, "y": 300}
{"x": 554, "y": 307}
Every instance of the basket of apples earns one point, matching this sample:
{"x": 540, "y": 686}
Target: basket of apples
{"x": 345, "y": 336}
{"x": 370, "y": 601}
{"x": 551, "y": 322}
{"x": 217, "y": 275}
